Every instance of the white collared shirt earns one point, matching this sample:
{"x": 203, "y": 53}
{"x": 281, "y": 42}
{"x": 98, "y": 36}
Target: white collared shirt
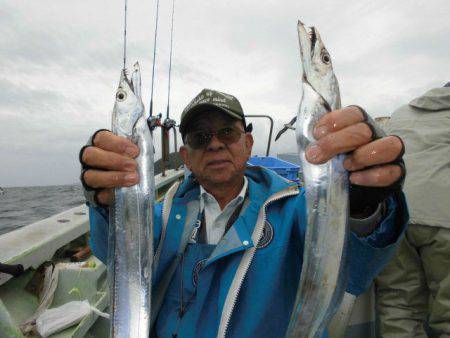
{"x": 216, "y": 219}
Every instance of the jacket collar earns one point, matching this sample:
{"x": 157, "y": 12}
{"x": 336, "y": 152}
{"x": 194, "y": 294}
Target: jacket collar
{"x": 262, "y": 184}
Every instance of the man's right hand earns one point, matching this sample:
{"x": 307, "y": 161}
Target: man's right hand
{"x": 111, "y": 164}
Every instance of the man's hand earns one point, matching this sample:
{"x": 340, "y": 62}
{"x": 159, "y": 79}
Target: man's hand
{"x": 343, "y": 131}
{"x": 110, "y": 164}
{"x": 369, "y": 160}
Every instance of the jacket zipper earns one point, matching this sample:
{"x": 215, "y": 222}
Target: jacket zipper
{"x": 225, "y": 321}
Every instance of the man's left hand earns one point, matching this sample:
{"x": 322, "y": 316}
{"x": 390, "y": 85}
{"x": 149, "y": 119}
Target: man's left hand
{"x": 345, "y": 131}
{"x": 374, "y": 162}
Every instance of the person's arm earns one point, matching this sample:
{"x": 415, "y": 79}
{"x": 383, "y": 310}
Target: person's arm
{"x": 99, "y": 230}
{"x": 378, "y": 212}
{"x": 370, "y": 252}
{"x": 107, "y": 162}
{"x": 367, "y": 253}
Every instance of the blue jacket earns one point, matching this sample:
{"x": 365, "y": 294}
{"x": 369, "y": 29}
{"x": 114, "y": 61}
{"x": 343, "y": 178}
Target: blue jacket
{"x": 240, "y": 288}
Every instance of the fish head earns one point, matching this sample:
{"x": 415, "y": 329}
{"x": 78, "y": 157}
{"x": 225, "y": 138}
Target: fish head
{"x": 317, "y": 66}
{"x": 128, "y": 107}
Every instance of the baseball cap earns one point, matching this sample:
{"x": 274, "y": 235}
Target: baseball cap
{"x": 213, "y": 100}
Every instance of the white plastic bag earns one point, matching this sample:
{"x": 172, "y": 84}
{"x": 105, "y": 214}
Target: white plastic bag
{"x": 60, "y": 318}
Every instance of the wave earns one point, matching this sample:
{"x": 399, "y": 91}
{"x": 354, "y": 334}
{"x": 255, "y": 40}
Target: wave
{"x": 26, "y": 205}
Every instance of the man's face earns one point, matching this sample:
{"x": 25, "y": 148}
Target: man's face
{"x": 218, "y": 163}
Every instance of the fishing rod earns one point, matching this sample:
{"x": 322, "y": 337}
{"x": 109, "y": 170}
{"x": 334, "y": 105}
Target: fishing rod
{"x": 168, "y": 123}
{"x": 170, "y": 59}
{"x": 125, "y": 36}
{"x": 154, "y": 121}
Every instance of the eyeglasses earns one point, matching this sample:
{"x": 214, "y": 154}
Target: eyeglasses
{"x": 200, "y": 139}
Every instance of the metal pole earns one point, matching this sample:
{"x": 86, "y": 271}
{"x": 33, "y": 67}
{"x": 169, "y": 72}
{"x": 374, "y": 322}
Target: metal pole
{"x": 270, "y": 132}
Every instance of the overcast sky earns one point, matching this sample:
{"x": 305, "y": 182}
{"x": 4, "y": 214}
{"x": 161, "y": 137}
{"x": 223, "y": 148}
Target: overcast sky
{"x": 60, "y": 63}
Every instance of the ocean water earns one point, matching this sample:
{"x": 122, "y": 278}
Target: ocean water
{"x": 26, "y": 205}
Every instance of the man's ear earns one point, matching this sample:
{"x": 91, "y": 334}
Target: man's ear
{"x": 249, "y": 142}
{"x": 184, "y": 156}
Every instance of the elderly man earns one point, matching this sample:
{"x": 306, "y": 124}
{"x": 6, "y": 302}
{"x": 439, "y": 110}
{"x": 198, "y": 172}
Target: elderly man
{"x": 211, "y": 279}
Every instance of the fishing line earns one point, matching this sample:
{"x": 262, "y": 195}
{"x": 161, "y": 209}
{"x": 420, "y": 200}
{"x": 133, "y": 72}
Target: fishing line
{"x": 154, "y": 58}
{"x": 170, "y": 58}
{"x": 125, "y": 36}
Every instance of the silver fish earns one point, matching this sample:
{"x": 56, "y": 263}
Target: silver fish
{"x": 323, "y": 277}
{"x": 130, "y": 250}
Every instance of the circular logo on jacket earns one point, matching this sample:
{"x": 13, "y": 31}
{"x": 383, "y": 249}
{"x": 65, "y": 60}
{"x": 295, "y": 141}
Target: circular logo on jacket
{"x": 266, "y": 237}
{"x": 197, "y": 267}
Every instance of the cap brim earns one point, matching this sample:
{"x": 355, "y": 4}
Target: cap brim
{"x": 202, "y": 108}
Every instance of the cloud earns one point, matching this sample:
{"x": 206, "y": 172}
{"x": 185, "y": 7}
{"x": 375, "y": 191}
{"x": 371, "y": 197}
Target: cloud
{"x": 60, "y": 64}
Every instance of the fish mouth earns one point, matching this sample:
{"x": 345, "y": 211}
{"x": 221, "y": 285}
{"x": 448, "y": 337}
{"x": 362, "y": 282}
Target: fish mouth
{"x": 136, "y": 80}
{"x": 313, "y": 37}
{"x": 307, "y": 38}
{"x": 133, "y": 81}
{"x": 125, "y": 79}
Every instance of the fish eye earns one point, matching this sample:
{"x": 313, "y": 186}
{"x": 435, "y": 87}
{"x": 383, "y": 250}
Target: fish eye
{"x": 121, "y": 95}
{"x": 325, "y": 57}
